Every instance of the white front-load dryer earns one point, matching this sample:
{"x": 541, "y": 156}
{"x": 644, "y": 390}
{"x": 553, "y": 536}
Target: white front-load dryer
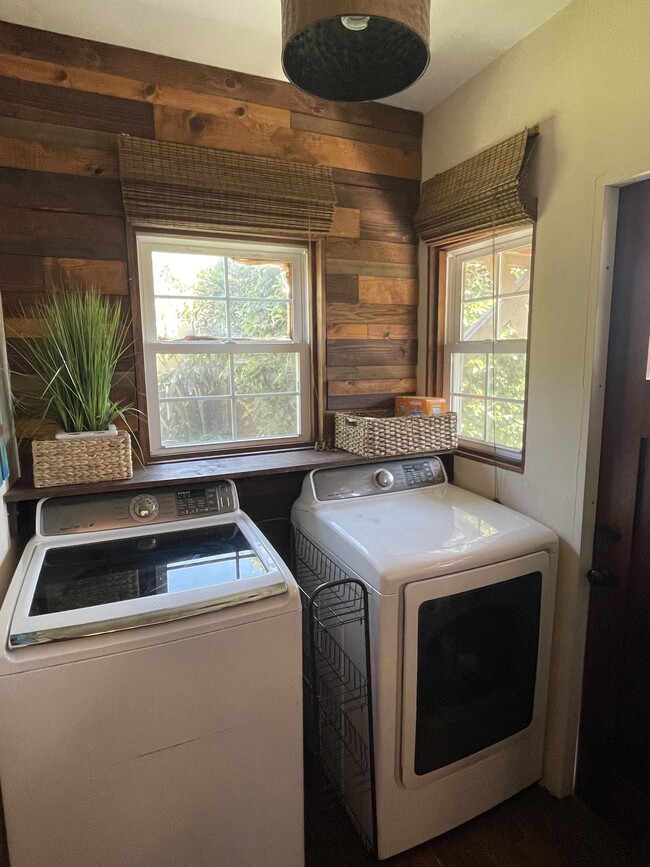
{"x": 461, "y": 596}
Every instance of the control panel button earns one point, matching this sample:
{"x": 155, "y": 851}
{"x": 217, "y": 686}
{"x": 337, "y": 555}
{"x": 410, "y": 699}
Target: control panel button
{"x": 384, "y": 479}
{"x": 144, "y": 507}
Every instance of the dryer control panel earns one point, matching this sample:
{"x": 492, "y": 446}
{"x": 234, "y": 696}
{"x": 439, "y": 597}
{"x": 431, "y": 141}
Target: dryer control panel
{"x": 342, "y": 483}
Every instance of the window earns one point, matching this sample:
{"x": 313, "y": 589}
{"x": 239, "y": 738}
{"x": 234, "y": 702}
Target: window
{"x": 488, "y": 306}
{"x": 225, "y": 343}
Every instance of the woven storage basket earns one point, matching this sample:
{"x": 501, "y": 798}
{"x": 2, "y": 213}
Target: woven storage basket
{"x": 82, "y": 461}
{"x": 404, "y": 435}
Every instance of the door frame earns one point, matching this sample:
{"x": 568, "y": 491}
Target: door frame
{"x": 597, "y": 439}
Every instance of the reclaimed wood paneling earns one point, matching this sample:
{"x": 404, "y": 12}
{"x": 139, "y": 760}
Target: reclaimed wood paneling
{"x": 56, "y": 134}
{"x": 370, "y": 268}
{"x": 380, "y": 290}
{"x": 369, "y": 134}
{"x": 342, "y": 287}
{"x": 346, "y": 223}
{"x": 21, "y": 274}
{"x": 64, "y": 100}
{"x": 109, "y": 278}
{"x": 248, "y": 135}
{"x": 389, "y": 371}
{"x": 372, "y": 251}
{"x": 91, "y": 81}
{"x": 402, "y": 201}
{"x": 140, "y": 65}
{"x": 386, "y": 226}
{"x": 371, "y": 386}
{"x": 355, "y": 352}
{"x": 369, "y": 402}
{"x": 45, "y": 191}
{"x": 19, "y": 153}
{"x": 348, "y": 331}
{"x": 74, "y": 108}
{"x": 26, "y": 278}
{"x": 373, "y": 181}
{"x": 390, "y": 331}
{"x": 393, "y": 314}
{"x": 46, "y": 233}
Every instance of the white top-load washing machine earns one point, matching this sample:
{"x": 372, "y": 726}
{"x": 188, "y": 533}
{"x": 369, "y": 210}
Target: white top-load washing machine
{"x": 150, "y": 687}
{"x": 461, "y": 596}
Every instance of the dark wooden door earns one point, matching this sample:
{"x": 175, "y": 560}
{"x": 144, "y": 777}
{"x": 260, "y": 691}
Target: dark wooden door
{"x": 613, "y": 774}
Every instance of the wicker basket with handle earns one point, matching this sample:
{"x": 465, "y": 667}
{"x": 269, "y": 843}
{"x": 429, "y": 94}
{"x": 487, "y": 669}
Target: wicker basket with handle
{"x": 405, "y": 435}
{"x": 81, "y": 461}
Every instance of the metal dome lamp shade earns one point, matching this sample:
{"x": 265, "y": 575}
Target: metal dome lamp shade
{"x": 354, "y": 50}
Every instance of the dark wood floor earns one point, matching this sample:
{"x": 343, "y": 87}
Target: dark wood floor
{"x": 533, "y": 829}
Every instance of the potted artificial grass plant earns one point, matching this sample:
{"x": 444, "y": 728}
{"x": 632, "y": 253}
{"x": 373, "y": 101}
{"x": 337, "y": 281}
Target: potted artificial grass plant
{"x": 73, "y": 360}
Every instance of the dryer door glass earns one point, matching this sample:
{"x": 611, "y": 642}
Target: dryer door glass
{"x": 476, "y": 669}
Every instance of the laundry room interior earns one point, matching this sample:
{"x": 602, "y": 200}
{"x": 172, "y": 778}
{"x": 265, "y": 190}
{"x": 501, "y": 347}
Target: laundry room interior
{"x": 324, "y": 433}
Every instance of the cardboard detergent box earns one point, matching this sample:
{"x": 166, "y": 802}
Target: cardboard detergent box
{"x": 412, "y": 405}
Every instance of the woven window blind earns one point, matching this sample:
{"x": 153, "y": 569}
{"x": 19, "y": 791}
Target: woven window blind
{"x": 168, "y": 185}
{"x": 487, "y": 191}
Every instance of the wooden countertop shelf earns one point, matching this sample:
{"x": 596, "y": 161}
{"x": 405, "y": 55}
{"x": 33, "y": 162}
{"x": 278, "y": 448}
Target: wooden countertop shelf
{"x": 174, "y": 472}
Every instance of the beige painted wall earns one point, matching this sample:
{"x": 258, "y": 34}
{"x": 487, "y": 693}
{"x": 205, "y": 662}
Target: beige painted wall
{"x": 584, "y": 77}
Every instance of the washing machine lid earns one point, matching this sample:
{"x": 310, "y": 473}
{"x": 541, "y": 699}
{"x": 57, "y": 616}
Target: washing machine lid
{"x": 393, "y": 538}
{"x": 77, "y": 587}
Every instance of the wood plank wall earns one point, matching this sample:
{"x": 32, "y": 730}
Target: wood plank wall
{"x": 64, "y": 100}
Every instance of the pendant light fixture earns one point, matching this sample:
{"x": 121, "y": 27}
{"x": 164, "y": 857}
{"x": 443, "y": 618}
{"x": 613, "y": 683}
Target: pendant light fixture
{"x": 354, "y": 50}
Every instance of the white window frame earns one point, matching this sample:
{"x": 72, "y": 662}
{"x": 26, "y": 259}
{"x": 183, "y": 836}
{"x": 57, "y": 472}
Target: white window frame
{"x": 454, "y": 344}
{"x": 298, "y": 256}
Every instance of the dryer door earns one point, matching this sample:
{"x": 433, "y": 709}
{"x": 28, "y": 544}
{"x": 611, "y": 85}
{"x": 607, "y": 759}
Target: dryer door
{"x": 476, "y": 647}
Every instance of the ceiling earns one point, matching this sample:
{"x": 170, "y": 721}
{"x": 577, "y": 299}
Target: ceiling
{"x": 245, "y": 35}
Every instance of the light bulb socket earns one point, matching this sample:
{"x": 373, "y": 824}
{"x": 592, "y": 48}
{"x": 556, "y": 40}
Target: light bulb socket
{"x": 355, "y": 22}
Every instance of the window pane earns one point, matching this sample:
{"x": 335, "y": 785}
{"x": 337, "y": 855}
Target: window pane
{"x": 177, "y": 319}
{"x": 265, "y": 373}
{"x": 187, "y": 274}
{"x": 263, "y": 320}
{"x": 184, "y": 422}
{"x": 267, "y": 416}
{"x": 514, "y": 270}
{"x": 471, "y": 417}
{"x": 509, "y": 376}
{"x": 513, "y": 318}
{"x": 478, "y": 278}
{"x": 190, "y": 375}
{"x": 506, "y": 423}
{"x": 478, "y": 320}
{"x": 267, "y": 280}
{"x": 469, "y": 373}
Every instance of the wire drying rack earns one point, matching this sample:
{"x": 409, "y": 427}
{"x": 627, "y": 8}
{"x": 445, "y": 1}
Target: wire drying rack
{"x": 337, "y": 683}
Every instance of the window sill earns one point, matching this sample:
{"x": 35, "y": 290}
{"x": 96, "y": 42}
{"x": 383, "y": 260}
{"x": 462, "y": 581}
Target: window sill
{"x": 516, "y": 465}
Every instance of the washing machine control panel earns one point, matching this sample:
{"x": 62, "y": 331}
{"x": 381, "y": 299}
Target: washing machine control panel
{"x": 121, "y": 509}
{"x": 342, "y": 483}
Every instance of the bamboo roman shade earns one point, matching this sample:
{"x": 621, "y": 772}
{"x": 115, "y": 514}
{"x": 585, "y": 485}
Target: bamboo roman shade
{"x": 168, "y": 185}
{"x": 487, "y": 191}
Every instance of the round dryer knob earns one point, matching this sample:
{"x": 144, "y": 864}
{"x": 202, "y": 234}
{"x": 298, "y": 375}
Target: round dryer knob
{"x": 384, "y": 479}
{"x": 144, "y": 507}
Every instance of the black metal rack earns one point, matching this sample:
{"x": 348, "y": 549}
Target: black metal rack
{"x": 337, "y": 683}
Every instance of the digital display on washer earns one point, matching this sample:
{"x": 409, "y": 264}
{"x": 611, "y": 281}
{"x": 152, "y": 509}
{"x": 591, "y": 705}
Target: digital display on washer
{"x": 195, "y": 501}
{"x": 99, "y": 573}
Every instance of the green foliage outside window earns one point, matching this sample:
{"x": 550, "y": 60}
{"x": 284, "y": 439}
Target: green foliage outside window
{"x": 488, "y": 388}
{"x": 227, "y": 395}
